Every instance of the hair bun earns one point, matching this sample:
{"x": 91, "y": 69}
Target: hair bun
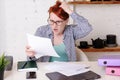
{"x": 58, "y": 3}
{"x": 56, "y": 9}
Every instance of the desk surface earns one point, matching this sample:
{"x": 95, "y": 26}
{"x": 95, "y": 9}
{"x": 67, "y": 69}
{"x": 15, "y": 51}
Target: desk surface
{"x": 15, "y": 75}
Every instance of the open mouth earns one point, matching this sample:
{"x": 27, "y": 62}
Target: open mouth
{"x": 55, "y": 30}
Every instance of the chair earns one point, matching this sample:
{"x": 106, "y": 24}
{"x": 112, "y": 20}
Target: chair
{"x": 81, "y": 56}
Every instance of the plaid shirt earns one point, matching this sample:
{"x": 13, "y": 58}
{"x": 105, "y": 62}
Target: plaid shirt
{"x": 71, "y": 33}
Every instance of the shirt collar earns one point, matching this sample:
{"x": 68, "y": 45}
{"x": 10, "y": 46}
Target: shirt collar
{"x": 50, "y": 32}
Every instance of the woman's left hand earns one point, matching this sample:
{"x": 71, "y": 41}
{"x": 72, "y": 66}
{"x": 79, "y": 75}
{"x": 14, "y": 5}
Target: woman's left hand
{"x": 66, "y": 7}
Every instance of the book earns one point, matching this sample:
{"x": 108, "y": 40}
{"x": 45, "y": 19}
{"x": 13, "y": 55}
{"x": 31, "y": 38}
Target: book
{"x": 27, "y": 66}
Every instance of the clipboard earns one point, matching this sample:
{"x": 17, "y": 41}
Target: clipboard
{"x": 90, "y": 75}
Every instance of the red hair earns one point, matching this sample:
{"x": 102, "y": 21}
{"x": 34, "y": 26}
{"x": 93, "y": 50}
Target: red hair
{"x": 56, "y": 9}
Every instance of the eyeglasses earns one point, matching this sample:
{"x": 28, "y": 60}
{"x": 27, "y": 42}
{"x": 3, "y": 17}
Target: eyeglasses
{"x": 58, "y": 23}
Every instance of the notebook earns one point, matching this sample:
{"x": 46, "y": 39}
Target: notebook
{"x": 90, "y": 75}
{"x": 27, "y": 66}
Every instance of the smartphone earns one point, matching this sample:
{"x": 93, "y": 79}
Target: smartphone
{"x": 30, "y": 75}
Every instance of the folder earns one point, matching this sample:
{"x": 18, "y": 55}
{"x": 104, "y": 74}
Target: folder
{"x": 56, "y": 76}
{"x": 109, "y": 60}
{"x": 113, "y": 70}
{"x": 90, "y": 75}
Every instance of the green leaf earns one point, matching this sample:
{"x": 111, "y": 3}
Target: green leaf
{"x": 3, "y": 61}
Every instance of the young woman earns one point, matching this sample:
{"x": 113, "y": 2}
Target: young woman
{"x": 63, "y": 36}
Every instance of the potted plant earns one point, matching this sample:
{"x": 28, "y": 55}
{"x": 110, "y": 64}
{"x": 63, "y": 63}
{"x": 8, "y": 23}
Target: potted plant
{"x": 3, "y": 64}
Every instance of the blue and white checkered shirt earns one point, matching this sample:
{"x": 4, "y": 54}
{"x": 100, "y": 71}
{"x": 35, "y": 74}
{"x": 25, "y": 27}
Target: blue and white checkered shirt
{"x": 71, "y": 33}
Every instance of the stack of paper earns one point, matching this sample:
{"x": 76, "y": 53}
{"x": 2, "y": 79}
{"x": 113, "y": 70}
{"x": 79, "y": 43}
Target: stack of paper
{"x": 68, "y": 69}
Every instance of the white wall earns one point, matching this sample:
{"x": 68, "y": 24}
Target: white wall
{"x": 105, "y": 19}
{"x": 19, "y": 17}
{"x": 2, "y": 27}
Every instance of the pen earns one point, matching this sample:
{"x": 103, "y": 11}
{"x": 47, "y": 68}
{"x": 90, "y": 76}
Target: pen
{"x": 24, "y": 65}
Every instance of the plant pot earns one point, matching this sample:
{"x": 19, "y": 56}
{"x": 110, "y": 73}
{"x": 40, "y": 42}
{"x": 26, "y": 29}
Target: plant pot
{"x": 2, "y": 74}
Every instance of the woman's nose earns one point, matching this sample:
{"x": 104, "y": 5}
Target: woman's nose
{"x": 54, "y": 25}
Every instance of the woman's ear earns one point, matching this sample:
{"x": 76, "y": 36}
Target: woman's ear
{"x": 67, "y": 20}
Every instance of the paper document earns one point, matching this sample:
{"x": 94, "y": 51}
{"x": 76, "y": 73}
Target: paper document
{"x": 42, "y": 46}
{"x": 68, "y": 69}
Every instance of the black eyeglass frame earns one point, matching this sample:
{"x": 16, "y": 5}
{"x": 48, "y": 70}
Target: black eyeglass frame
{"x": 51, "y": 22}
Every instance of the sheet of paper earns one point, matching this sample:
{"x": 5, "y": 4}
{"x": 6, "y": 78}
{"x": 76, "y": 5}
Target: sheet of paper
{"x": 42, "y": 46}
{"x": 68, "y": 69}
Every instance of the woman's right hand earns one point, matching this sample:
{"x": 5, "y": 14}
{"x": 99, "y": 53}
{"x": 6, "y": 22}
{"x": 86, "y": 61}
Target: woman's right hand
{"x": 30, "y": 52}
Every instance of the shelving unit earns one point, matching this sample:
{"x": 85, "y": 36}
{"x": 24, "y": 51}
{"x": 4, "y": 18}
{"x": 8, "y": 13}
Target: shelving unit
{"x": 106, "y": 49}
{"x": 91, "y": 49}
{"x": 94, "y": 2}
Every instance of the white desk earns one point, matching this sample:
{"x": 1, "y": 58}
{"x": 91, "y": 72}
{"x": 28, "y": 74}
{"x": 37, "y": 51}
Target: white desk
{"x": 15, "y": 75}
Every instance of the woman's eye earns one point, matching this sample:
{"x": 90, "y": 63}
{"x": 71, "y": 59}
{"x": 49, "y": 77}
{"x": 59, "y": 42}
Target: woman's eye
{"x": 58, "y": 22}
